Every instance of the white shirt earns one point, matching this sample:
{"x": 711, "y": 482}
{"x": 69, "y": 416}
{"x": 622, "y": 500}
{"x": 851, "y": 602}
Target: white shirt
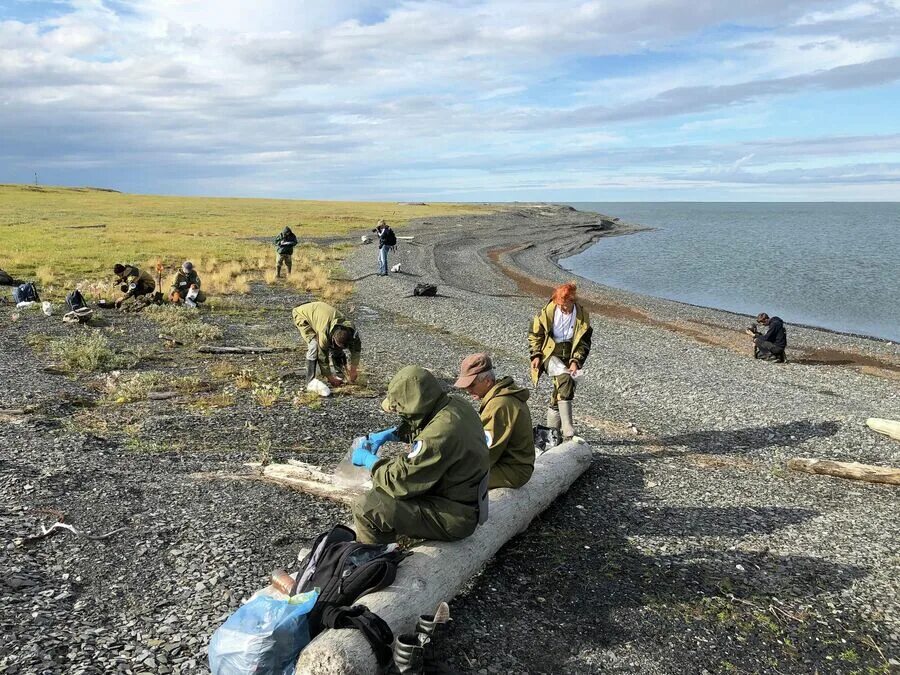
{"x": 563, "y": 325}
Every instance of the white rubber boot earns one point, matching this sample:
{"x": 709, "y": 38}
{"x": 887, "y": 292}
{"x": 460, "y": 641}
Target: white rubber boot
{"x": 553, "y": 420}
{"x": 565, "y": 415}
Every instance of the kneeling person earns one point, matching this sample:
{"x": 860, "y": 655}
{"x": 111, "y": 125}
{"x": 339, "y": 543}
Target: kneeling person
{"x": 506, "y": 419}
{"x": 186, "y": 287}
{"x": 134, "y": 282}
{"x": 771, "y": 345}
{"x": 439, "y": 489}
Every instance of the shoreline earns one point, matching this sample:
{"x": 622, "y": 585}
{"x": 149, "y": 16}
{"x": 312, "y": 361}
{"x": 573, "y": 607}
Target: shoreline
{"x": 630, "y": 229}
{"x": 532, "y": 263}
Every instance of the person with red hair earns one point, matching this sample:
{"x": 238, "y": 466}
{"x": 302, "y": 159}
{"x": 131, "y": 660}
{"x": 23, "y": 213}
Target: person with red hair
{"x": 560, "y": 341}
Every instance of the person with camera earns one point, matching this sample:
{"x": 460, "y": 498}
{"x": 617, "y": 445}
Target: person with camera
{"x": 386, "y": 241}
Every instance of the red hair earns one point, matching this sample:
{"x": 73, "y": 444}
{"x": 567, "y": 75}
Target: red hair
{"x": 563, "y": 293}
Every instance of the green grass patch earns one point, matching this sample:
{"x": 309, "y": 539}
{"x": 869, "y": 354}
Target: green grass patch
{"x": 85, "y": 352}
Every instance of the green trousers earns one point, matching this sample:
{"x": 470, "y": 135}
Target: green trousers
{"x": 282, "y": 259}
{"x": 563, "y": 385}
{"x": 380, "y": 519}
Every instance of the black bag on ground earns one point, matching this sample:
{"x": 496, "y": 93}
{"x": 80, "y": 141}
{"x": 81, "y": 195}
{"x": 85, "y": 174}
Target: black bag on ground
{"x": 75, "y": 300}
{"x": 425, "y": 290}
{"x": 546, "y": 437}
{"x": 25, "y": 293}
{"x": 6, "y": 280}
{"x": 345, "y": 570}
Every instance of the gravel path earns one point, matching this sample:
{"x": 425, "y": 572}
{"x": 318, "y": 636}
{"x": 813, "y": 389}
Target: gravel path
{"x": 686, "y": 548}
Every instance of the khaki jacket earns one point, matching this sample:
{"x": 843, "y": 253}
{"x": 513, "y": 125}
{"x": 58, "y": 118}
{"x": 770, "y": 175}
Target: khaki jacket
{"x": 135, "y": 277}
{"x": 449, "y": 455}
{"x": 184, "y": 281}
{"x": 510, "y": 435}
{"x": 316, "y": 321}
{"x": 540, "y": 337}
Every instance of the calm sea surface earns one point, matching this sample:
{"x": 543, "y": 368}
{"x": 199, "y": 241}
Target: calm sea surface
{"x": 835, "y": 266}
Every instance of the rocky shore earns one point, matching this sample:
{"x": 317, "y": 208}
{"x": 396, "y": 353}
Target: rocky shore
{"x": 687, "y": 547}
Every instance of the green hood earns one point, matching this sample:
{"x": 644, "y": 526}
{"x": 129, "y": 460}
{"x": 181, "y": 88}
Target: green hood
{"x": 416, "y": 395}
{"x": 505, "y": 386}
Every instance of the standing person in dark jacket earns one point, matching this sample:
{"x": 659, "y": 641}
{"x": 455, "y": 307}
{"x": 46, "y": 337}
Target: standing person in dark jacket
{"x": 284, "y": 244}
{"x": 769, "y": 346}
{"x": 386, "y": 241}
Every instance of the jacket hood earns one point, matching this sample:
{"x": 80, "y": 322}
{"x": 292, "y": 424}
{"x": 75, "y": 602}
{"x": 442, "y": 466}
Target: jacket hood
{"x": 416, "y": 395}
{"x": 286, "y": 230}
{"x": 506, "y": 386}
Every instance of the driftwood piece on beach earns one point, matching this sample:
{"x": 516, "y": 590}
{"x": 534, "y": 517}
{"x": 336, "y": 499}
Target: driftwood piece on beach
{"x": 305, "y": 478}
{"x": 851, "y": 470}
{"x": 437, "y": 570}
{"x": 161, "y": 395}
{"x": 169, "y": 338}
{"x": 208, "y": 349}
{"x": 882, "y": 426}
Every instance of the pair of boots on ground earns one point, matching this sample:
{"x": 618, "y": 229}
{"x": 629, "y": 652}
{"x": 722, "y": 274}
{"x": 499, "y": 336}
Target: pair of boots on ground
{"x": 560, "y": 418}
{"x": 422, "y": 651}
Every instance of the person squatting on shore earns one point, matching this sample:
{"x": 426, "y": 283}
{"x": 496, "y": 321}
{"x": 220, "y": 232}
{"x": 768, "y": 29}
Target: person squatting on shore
{"x": 506, "y": 420}
{"x": 328, "y": 333}
{"x": 284, "y": 247}
{"x": 561, "y": 330}
{"x": 133, "y": 281}
{"x": 438, "y": 490}
{"x": 386, "y": 241}
{"x": 771, "y": 345}
{"x": 186, "y": 286}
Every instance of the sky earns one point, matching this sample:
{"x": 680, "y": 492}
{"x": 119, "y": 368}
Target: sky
{"x": 458, "y": 100}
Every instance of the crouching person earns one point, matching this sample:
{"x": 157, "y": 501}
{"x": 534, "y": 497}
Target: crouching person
{"x": 506, "y": 419}
{"x": 186, "y": 287}
{"x": 134, "y": 282}
{"x": 328, "y": 333}
{"x": 438, "y": 490}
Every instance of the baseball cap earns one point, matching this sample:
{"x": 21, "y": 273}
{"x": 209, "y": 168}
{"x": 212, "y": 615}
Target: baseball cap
{"x": 472, "y": 366}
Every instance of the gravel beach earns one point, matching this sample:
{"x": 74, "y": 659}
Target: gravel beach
{"x": 687, "y": 547}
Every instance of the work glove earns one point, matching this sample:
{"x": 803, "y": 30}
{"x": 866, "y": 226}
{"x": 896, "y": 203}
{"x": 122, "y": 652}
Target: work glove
{"x": 362, "y": 457}
{"x": 379, "y": 438}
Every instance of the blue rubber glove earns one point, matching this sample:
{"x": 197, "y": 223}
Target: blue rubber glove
{"x": 362, "y": 457}
{"x": 379, "y": 438}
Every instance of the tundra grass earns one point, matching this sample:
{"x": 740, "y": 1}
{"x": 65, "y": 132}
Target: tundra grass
{"x": 61, "y": 236}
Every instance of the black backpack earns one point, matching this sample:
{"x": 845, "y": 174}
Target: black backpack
{"x": 25, "y": 293}
{"x": 344, "y": 570}
{"x": 388, "y": 238}
{"x": 75, "y": 300}
{"x": 425, "y": 290}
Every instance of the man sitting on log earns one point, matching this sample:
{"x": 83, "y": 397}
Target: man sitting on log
{"x": 437, "y": 490}
{"x": 771, "y": 345}
{"x": 506, "y": 419}
{"x": 133, "y": 281}
{"x": 186, "y": 287}
{"x": 328, "y": 333}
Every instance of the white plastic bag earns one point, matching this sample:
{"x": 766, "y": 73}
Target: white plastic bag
{"x": 318, "y": 387}
{"x": 47, "y": 308}
{"x": 347, "y": 475}
{"x": 556, "y": 367}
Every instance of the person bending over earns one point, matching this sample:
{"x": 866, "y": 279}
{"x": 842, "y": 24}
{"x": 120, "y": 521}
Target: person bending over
{"x": 328, "y": 333}
{"x": 506, "y": 420}
{"x": 436, "y": 490}
{"x": 770, "y": 345}
{"x": 133, "y": 282}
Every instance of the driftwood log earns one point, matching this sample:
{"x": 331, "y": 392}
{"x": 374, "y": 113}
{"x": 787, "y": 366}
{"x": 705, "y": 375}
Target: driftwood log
{"x": 887, "y": 427}
{"x": 437, "y": 570}
{"x": 851, "y": 470}
{"x": 209, "y": 349}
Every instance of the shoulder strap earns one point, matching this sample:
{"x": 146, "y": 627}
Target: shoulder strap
{"x": 375, "y": 629}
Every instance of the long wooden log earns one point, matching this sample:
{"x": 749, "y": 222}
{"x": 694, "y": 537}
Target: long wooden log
{"x": 209, "y": 349}
{"x": 437, "y": 570}
{"x": 882, "y": 426}
{"x": 851, "y": 470}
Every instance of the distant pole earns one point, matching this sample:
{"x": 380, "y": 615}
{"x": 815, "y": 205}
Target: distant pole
{"x": 35, "y": 178}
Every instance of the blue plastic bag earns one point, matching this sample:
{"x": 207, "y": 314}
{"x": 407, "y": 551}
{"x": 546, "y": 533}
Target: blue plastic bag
{"x": 263, "y": 637}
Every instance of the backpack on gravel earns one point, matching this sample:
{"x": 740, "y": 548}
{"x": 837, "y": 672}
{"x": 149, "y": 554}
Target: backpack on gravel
{"x": 25, "y": 293}
{"x": 6, "y": 280}
{"x": 345, "y": 570}
{"x": 425, "y": 290}
{"x": 546, "y": 437}
{"x": 79, "y": 312}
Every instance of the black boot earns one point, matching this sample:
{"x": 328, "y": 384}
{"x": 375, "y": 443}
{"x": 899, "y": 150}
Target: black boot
{"x": 435, "y": 627}
{"x": 310, "y": 371}
{"x": 409, "y": 653}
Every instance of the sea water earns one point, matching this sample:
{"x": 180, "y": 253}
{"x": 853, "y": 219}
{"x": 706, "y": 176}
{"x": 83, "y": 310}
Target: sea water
{"x": 831, "y": 265}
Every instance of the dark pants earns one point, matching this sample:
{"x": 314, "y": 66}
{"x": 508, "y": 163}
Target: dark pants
{"x": 563, "y": 385}
{"x": 767, "y": 350}
{"x": 283, "y": 259}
